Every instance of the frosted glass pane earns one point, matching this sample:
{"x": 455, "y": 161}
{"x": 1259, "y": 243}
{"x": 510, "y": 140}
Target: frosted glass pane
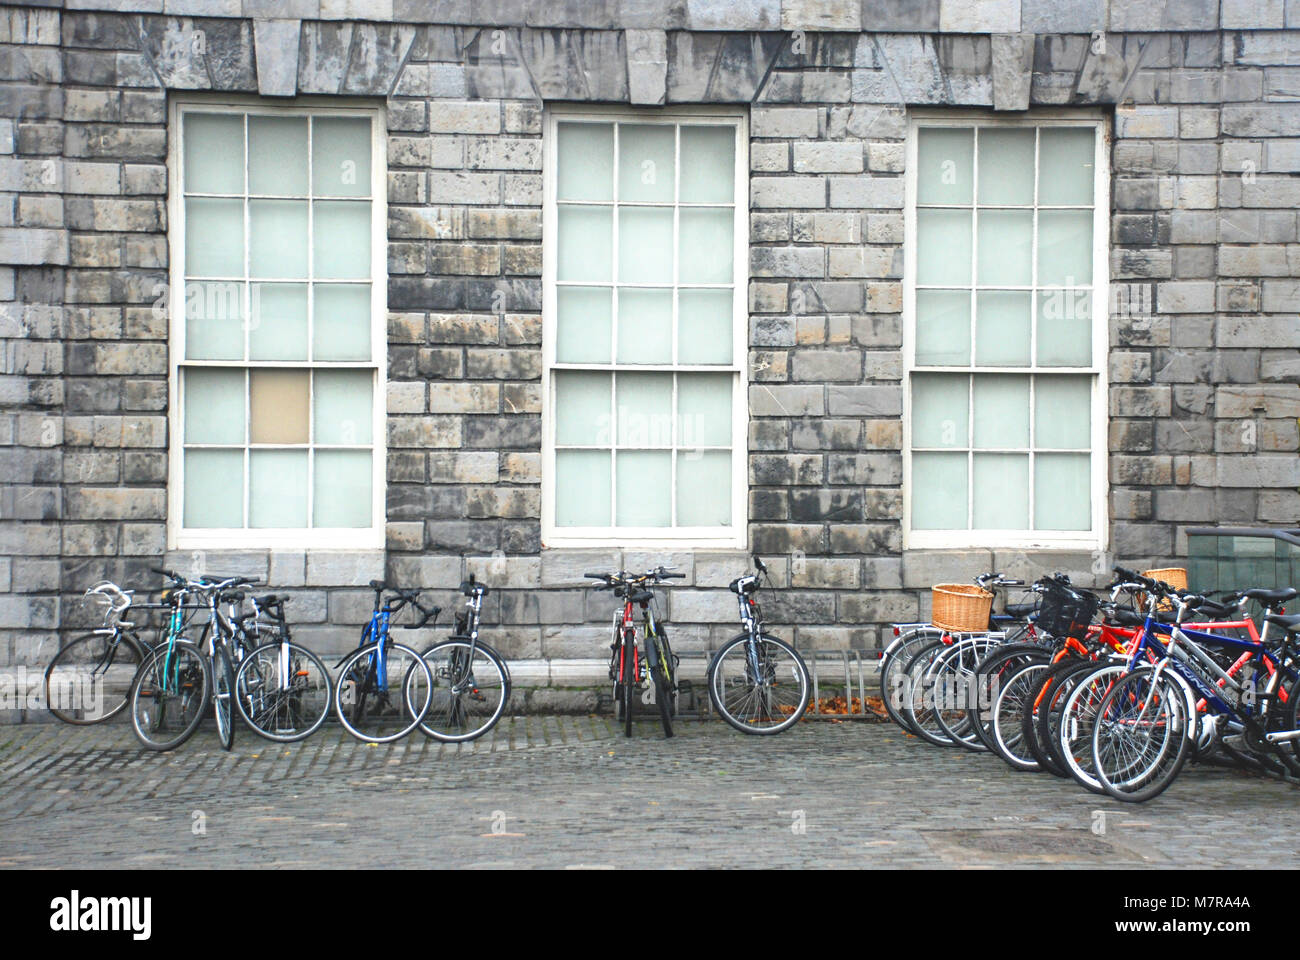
{"x": 1065, "y": 163}
{"x": 214, "y": 406}
{"x": 340, "y": 164}
{"x": 1062, "y": 492}
{"x": 939, "y": 491}
{"x": 945, "y": 166}
{"x": 645, "y": 326}
{"x": 277, "y": 491}
{"x": 1063, "y": 412}
{"x": 277, "y": 238}
{"x": 582, "y": 408}
{"x": 704, "y": 410}
{"x": 214, "y": 153}
{"x": 1006, "y": 239}
{"x": 214, "y": 489}
{"x": 645, "y": 409}
{"x": 582, "y": 488}
{"x": 586, "y": 162}
{"x": 708, "y": 164}
{"x": 586, "y": 237}
{"x": 277, "y": 406}
{"x": 1064, "y": 247}
{"x": 214, "y": 237}
{"x": 1006, "y": 166}
{"x": 341, "y": 239}
{"x": 704, "y": 489}
{"x": 277, "y": 155}
{"x": 1001, "y": 491}
{"x": 645, "y": 245}
{"x": 343, "y": 495}
{"x": 342, "y": 406}
{"x": 1065, "y": 328}
{"x": 942, "y": 327}
{"x": 1001, "y": 411}
{"x": 943, "y": 247}
{"x": 583, "y": 324}
{"x": 279, "y": 330}
{"x": 644, "y": 484}
{"x": 939, "y": 409}
{"x": 645, "y": 162}
{"x": 705, "y": 253}
{"x": 214, "y": 314}
{"x": 341, "y": 329}
{"x": 704, "y": 325}
{"x": 1002, "y": 322}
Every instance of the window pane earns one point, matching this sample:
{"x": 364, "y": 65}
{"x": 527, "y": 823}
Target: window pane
{"x": 1065, "y": 328}
{"x": 943, "y": 247}
{"x": 645, "y": 245}
{"x": 644, "y": 488}
{"x": 214, "y": 489}
{"x": 1001, "y": 411}
{"x": 1062, "y": 412}
{"x": 1001, "y": 491}
{"x": 944, "y": 166}
{"x": 277, "y": 401}
{"x": 277, "y": 492}
{"x": 341, "y": 149}
{"x": 1006, "y": 239}
{"x": 1064, "y": 247}
{"x": 279, "y": 330}
{"x": 704, "y": 409}
{"x": 214, "y": 153}
{"x": 214, "y": 406}
{"x": 341, "y": 239}
{"x": 343, "y": 494}
{"x": 1062, "y": 491}
{"x": 342, "y": 406}
{"x": 645, "y": 409}
{"x": 1066, "y": 161}
{"x": 586, "y": 161}
{"x": 1006, "y": 166}
{"x": 1002, "y": 322}
{"x": 704, "y": 488}
{"x": 583, "y": 324}
{"x": 214, "y": 320}
{"x": 705, "y": 253}
{"x": 645, "y": 162}
{"x": 939, "y": 491}
{"x": 645, "y": 326}
{"x": 704, "y": 325}
{"x": 939, "y": 409}
{"x": 582, "y": 488}
{"x": 341, "y": 326}
{"x": 214, "y": 237}
{"x": 586, "y": 238}
{"x": 708, "y": 164}
{"x": 277, "y": 155}
{"x": 942, "y": 327}
{"x": 277, "y": 241}
{"x": 582, "y": 408}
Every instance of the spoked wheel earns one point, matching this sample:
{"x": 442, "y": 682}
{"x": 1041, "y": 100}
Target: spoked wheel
{"x": 1045, "y": 720}
{"x": 1140, "y": 737}
{"x": 380, "y": 700}
{"x": 169, "y": 695}
{"x": 283, "y": 692}
{"x": 993, "y": 671}
{"x": 223, "y": 696}
{"x": 471, "y": 687}
{"x": 923, "y": 700}
{"x": 628, "y": 681}
{"x": 957, "y": 671}
{"x": 89, "y": 680}
{"x": 893, "y": 672}
{"x": 1074, "y": 728}
{"x": 662, "y": 675}
{"x": 760, "y": 686}
{"x": 1008, "y": 715}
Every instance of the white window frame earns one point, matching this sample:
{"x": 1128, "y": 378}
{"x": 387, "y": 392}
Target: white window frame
{"x": 735, "y": 536}
{"x": 356, "y": 538}
{"x": 1098, "y": 537}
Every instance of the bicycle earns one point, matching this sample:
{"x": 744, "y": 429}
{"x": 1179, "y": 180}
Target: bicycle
{"x": 282, "y": 689}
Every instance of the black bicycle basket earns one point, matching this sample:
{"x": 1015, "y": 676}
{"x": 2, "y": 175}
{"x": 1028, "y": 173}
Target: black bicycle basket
{"x": 1065, "y": 612}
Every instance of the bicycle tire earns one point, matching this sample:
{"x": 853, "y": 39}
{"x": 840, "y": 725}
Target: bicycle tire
{"x": 1008, "y": 717}
{"x": 223, "y": 695}
{"x": 964, "y": 658}
{"x": 455, "y": 712}
{"x": 896, "y": 664}
{"x": 149, "y": 699}
{"x": 627, "y": 671}
{"x": 920, "y": 716}
{"x": 988, "y": 680}
{"x": 279, "y": 716}
{"x": 1044, "y": 720}
{"x": 74, "y": 658}
{"x": 355, "y": 702}
{"x": 1138, "y": 777}
{"x": 661, "y": 680}
{"x": 1074, "y": 728}
{"x": 727, "y": 707}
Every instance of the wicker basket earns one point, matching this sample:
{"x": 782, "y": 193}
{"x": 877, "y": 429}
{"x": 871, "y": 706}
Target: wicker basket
{"x": 960, "y": 607}
{"x": 1176, "y": 577}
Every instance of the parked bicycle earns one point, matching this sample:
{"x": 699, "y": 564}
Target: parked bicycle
{"x": 282, "y": 689}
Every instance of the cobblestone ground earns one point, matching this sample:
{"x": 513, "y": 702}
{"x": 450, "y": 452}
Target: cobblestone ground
{"x": 573, "y": 792}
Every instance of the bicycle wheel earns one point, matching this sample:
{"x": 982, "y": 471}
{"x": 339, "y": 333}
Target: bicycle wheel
{"x": 89, "y": 680}
{"x": 223, "y": 696}
{"x": 893, "y": 671}
{"x": 381, "y": 696}
{"x": 1074, "y": 728}
{"x": 1008, "y": 716}
{"x": 169, "y": 695}
{"x": 471, "y": 687}
{"x": 1140, "y": 737}
{"x": 956, "y": 671}
{"x": 992, "y": 673}
{"x": 628, "y": 680}
{"x": 924, "y": 700}
{"x": 1046, "y": 718}
{"x": 760, "y": 687}
{"x": 662, "y": 678}
{"x": 283, "y": 692}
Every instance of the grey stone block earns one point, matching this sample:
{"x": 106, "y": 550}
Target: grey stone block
{"x": 1013, "y": 56}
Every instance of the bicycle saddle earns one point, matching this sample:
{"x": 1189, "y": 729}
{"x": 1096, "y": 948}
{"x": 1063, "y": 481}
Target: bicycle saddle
{"x": 1020, "y": 610}
{"x": 640, "y": 596}
{"x": 271, "y": 599}
{"x": 1271, "y": 597}
{"x": 471, "y": 587}
{"x": 378, "y": 585}
{"x": 1290, "y": 622}
{"x": 749, "y": 587}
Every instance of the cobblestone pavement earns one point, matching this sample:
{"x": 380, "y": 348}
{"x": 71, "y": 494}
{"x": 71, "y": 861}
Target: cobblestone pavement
{"x": 573, "y": 792}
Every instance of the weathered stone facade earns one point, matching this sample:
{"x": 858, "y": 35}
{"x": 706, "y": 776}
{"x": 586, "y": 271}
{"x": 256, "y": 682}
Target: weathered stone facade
{"x": 1204, "y": 101}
